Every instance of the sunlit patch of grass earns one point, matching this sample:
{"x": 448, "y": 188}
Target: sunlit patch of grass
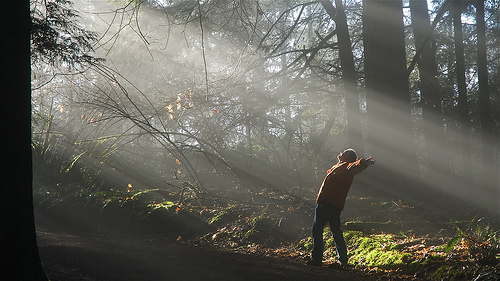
{"x": 305, "y": 244}
{"x": 375, "y": 250}
{"x": 162, "y": 205}
{"x": 371, "y": 251}
{"x": 381, "y": 251}
{"x": 352, "y": 235}
{"x": 142, "y": 192}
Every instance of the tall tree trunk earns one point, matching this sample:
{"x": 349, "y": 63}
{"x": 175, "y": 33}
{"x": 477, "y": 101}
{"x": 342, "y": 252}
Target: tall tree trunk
{"x": 20, "y": 258}
{"x": 354, "y": 131}
{"x": 435, "y": 142}
{"x": 484, "y": 91}
{"x": 489, "y": 173}
{"x": 462, "y": 90}
{"x": 390, "y": 129}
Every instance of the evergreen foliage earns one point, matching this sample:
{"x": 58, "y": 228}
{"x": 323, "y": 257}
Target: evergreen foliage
{"x": 57, "y": 38}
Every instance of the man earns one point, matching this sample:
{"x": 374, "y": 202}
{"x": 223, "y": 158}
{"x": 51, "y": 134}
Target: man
{"x": 330, "y": 203}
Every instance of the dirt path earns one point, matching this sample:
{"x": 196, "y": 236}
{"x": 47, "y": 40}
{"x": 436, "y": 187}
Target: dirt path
{"x": 72, "y": 256}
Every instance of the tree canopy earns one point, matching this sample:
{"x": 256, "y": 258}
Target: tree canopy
{"x": 215, "y": 97}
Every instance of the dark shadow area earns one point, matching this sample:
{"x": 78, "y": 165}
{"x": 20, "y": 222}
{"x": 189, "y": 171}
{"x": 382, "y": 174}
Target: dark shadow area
{"x": 72, "y": 255}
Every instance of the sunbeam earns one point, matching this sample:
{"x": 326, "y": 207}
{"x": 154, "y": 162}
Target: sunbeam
{"x": 215, "y": 123}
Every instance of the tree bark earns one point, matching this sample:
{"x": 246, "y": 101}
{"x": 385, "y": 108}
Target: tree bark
{"x": 488, "y": 190}
{"x": 462, "y": 90}
{"x": 430, "y": 90}
{"x": 20, "y": 258}
{"x": 390, "y": 130}
{"x": 484, "y": 92}
{"x": 354, "y": 131}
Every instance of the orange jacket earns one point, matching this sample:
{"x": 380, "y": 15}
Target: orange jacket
{"x": 338, "y": 181}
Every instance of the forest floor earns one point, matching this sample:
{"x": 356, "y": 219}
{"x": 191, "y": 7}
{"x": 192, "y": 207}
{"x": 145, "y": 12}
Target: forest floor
{"x": 152, "y": 235}
{"x": 71, "y": 256}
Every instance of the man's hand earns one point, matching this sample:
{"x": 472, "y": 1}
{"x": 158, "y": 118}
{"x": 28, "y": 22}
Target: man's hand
{"x": 369, "y": 161}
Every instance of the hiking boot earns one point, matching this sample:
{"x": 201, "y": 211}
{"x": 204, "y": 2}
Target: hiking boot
{"x": 314, "y": 262}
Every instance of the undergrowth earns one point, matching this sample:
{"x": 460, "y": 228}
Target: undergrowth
{"x": 280, "y": 226}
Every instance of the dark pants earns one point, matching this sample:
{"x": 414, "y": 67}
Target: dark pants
{"x": 328, "y": 213}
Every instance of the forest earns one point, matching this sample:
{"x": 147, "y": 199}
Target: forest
{"x": 212, "y": 124}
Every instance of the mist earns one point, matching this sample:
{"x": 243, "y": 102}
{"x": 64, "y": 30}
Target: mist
{"x": 248, "y": 107}
{"x": 183, "y": 105}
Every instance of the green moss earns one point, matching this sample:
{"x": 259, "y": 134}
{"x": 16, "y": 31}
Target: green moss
{"x": 164, "y": 205}
{"x": 218, "y": 217}
{"x": 138, "y": 194}
{"x": 305, "y": 244}
{"x": 351, "y": 235}
{"x": 374, "y": 250}
{"x": 328, "y": 238}
{"x": 451, "y": 273}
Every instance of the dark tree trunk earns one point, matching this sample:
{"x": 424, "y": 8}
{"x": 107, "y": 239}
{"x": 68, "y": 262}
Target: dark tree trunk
{"x": 354, "y": 131}
{"x": 462, "y": 90}
{"x": 355, "y": 134}
{"x": 484, "y": 91}
{"x": 489, "y": 191}
{"x": 390, "y": 130}
{"x": 433, "y": 125}
{"x": 19, "y": 259}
